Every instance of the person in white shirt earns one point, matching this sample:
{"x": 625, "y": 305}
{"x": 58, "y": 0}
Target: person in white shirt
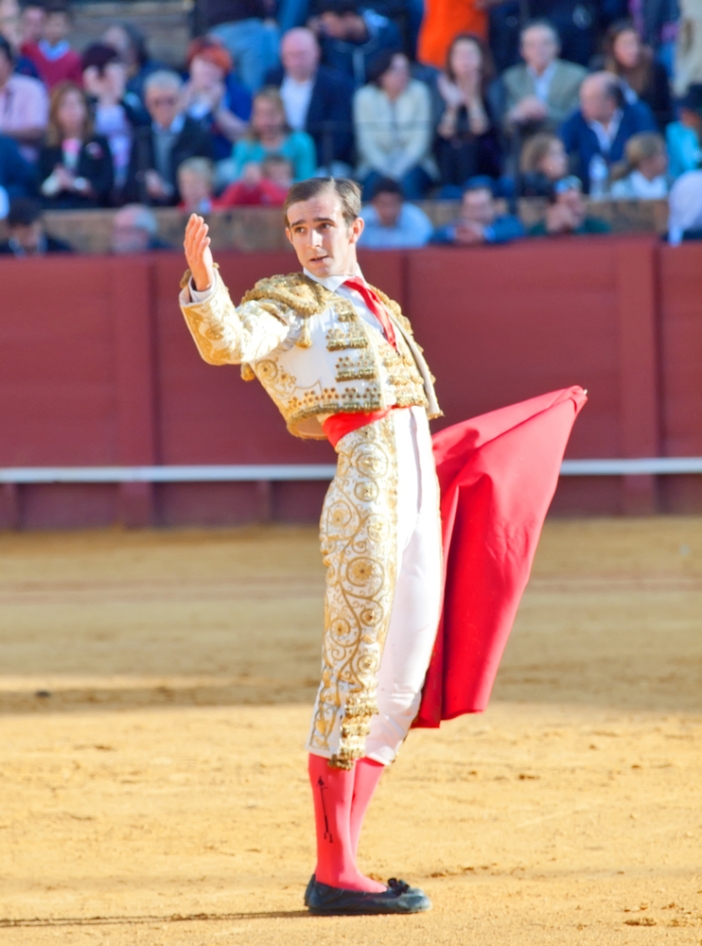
{"x": 642, "y": 175}
{"x": 391, "y": 222}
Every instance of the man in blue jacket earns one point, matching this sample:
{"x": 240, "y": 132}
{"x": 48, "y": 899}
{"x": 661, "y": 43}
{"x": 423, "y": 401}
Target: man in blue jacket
{"x": 599, "y": 130}
{"x": 479, "y": 223}
{"x": 17, "y": 177}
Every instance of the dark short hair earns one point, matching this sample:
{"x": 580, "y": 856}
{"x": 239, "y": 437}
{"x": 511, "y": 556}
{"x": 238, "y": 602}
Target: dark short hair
{"x": 481, "y": 182}
{"x": 98, "y": 56}
{"x": 6, "y": 49}
{"x": 23, "y": 212}
{"x": 379, "y": 64}
{"x": 58, "y": 6}
{"x": 348, "y": 191}
{"x": 386, "y": 185}
{"x": 339, "y": 7}
{"x": 692, "y": 99}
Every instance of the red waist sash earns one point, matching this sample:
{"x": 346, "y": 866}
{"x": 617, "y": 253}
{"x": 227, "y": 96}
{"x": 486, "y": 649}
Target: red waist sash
{"x": 338, "y": 425}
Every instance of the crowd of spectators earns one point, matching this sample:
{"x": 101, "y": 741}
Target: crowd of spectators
{"x": 481, "y": 101}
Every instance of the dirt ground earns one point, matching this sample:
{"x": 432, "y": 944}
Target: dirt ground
{"x": 155, "y": 691}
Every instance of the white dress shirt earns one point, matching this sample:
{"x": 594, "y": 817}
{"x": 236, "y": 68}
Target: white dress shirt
{"x": 542, "y": 83}
{"x": 607, "y": 133}
{"x": 296, "y": 98}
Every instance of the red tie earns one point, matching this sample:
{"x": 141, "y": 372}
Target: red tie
{"x": 372, "y": 300}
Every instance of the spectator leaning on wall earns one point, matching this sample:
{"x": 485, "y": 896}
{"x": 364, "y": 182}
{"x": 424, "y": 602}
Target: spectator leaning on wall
{"x": 391, "y": 222}
{"x": 685, "y": 208}
{"x": 27, "y": 235}
{"x": 135, "y": 230}
{"x": 642, "y": 173}
{"x": 567, "y": 213}
{"x": 479, "y": 222}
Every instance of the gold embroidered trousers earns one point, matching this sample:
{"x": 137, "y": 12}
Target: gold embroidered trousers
{"x": 381, "y": 543}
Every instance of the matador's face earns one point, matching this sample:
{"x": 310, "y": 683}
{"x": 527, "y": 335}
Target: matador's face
{"x": 324, "y": 242}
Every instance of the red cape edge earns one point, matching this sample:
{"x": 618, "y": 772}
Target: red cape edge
{"x": 498, "y": 474}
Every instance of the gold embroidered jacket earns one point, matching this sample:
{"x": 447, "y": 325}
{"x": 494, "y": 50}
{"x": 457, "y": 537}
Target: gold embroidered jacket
{"x": 310, "y": 350}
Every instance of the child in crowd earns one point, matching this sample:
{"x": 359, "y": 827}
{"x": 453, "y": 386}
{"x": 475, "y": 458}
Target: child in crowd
{"x": 684, "y": 137}
{"x": 543, "y": 161}
{"x": 195, "y": 184}
{"x": 265, "y": 184}
{"x": 642, "y": 175}
{"x": 52, "y": 55}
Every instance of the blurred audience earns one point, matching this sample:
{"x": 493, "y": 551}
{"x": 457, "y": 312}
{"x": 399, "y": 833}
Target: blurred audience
{"x": 27, "y": 235}
{"x": 261, "y": 185}
{"x": 161, "y": 147}
{"x": 12, "y": 30}
{"x": 213, "y": 95}
{"x": 567, "y": 213}
{"x": 269, "y": 134}
{"x": 245, "y": 29}
{"x": 24, "y": 106}
{"x": 351, "y": 37}
{"x": 392, "y": 121}
{"x": 391, "y": 223}
{"x": 643, "y": 77}
{"x": 131, "y": 45}
{"x": 75, "y": 165}
{"x": 32, "y": 19}
{"x": 316, "y": 99}
{"x": 17, "y": 177}
{"x": 643, "y": 173}
{"x": 196, "y": 185}
{"x": 685, "y": 208}
{"x": 543, "y": 161}
{"x": 468, "y": 144}
{"x": 53, "y": 57}
{"x": 687, "y": 69}
{"x": 540, "y": 93}
{"x": 595, "y": 135}
{"x": 116, "y": 113}
{"x": 684, "y": 136}
{"x": 479, "y": 221}
{"x": 443, "y": 21}
{"x": 135, "y": 230}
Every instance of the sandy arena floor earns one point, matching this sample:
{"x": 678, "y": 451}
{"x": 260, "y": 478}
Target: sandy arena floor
{"x": 154, "y": 699}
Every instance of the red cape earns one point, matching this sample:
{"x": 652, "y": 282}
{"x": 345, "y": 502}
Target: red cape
{"x": 497, "y": 474}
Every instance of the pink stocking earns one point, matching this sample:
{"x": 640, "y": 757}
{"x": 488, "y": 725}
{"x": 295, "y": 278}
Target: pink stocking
{"x": 367, "y": 775}
{"x": 333, "y": 791}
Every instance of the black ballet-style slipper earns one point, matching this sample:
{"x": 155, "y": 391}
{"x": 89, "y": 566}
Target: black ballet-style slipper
{"x": 323, "y": 900}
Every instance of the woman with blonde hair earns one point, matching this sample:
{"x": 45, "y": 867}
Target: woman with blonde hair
{"x": 543, "y": 161}
{"x": 75, "y": 165}
{"x": 269, "y": 134}
{"x": 642, "y": 174}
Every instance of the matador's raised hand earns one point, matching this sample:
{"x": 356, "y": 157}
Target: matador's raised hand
{"x": 198, "y": 253}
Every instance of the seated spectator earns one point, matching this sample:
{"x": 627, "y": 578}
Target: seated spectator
{"x": 540, "y": 93}
{"x": 214, "y": 96}
{"x": 443, "y": 21}
{"x": 246, "y": 30}
{"x": 162, "y": 146}
{"x": 53, "y": 57}
{"x": 468, "y": 144}
{"x": 262, "y": 185}
{"x": 26, "y": 233}
{"x": 116, "y": 113}
{"x": 643, "y": 77}
{"x": 130, "y": 43}
{"x": 684, "y": 137}
{"x": 543, "y": 161}
{"x": 642, "y": 174}
{"x": 685, "y": 208}
{"x": 196, "y": 186}
{"x": 75, "y": 165}
{"x": 135, "y": 230}
{"x": 351, "y": 37}
{"x": 478, "y": 222}
{"x": 24, "y": 106}
{"x": 316, "y": 99}
{"x": 567, "y": 213}
{"x": 595, "y": 135}
{"x": 392, "y": 121}
{"x": 11, "y": 29}
{"x": 17, "y": 177}
{"x": 32, "y": 20}
{"x": 390, "y": 222}
{"x": 269, "y": 134}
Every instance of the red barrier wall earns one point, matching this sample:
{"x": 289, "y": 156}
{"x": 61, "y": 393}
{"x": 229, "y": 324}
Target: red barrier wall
{"x": 97, "y": 367}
